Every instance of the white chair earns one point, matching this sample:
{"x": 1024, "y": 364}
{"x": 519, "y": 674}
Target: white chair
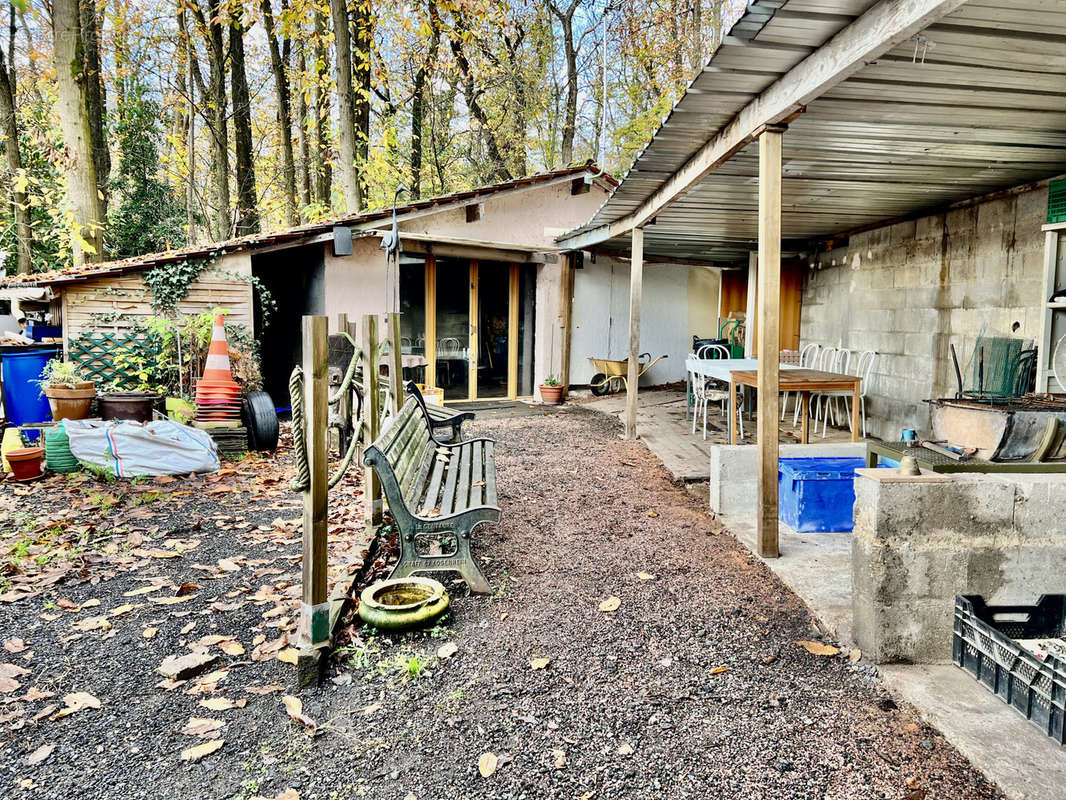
{"x": 808, "y": 356}
{"x": 827, "y": 361}
{"x": 715, "y": 351}
{"x": 864, "y": 369}
{"x": 845, "y": 366}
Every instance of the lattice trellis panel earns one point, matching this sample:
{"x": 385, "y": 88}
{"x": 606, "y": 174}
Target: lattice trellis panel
{"x": 95, "y": 353}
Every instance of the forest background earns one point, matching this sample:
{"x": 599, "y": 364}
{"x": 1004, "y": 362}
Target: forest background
{"x": 135, "y": 126}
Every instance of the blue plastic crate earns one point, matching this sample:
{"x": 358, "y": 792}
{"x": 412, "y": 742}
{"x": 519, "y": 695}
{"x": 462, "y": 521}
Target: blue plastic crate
{"x": 817, "y": 494}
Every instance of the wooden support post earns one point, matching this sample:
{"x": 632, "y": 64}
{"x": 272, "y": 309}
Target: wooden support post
{"x": 395, "y": 362}
{"x": 636, "y": 289}
{"x": 371, "y": 415}
{"x": 344, "y": 405}
{"x": 769, "y": 303}
{"x": 566, "y": 306}
{"x": 750, "y": 320}
{"x": 472, "y": 358}
{"x": 314, "y": 612}
{"x": 431, "y": 320}
{"x": 512, "y": 335}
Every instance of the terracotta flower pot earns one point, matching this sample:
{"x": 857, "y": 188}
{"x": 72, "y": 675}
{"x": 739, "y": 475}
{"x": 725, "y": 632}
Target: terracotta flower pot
{"x": 71, "y": 403}
{"x": 551, "y": 395}
{"x": 25, "y": 462}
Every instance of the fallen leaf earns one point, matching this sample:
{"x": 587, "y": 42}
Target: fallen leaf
{"x": 539, "y": 663}
{"x": 199, "y": 726}
{"x": 855, "y": 655}
{"x": 653, "y": 513}
{"x": 268, "y": 689}
{"x": 645, "y": 576}
{"x": 8, "y": 685}
{"x": 226, "y": 565}
{"x": 625, "y": 749}
{"x": 370, "y": 709}
{"x": 560, "y": 758}
{"x": 123, "y": 609}
{"x": 719, "y": 670}
{"x": 169, "y": 601}
{"x": 76, "y": 701}
{"x": 90, "y": 603}
{"x": 218, "y": 704}
{"x": 294, "y": 707}
{"x": 611, "y": 604}
{"x": 289, "y": 655}
{"x": 148, "y": 633}
{"x": 142, "y": 590}
{"x": 40, "y": 754}
{"x": 201, "y": 750}
{"x": 12, "y": 670}
{"x": 14, "y": 645}
{"x": 231, "y": 647}
{"x": 818, "y": 649}
{"x": 447, "y": 650}
{"x": 486, "y": 765}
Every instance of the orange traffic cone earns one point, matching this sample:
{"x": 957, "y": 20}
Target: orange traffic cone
{"x": 217, "y": 394}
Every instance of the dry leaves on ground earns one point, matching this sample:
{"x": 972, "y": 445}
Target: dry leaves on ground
{"x": 76, "y": 701}
{"x": 486, "y": 765}
{"x": 539, "y": 663}
{"x": 197, "y": 752}
{"x": 611, "y": 604}
{"x": 818, "y": 648}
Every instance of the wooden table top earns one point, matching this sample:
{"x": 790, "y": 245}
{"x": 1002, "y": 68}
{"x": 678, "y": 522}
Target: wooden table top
{"x": 801, "y": 380}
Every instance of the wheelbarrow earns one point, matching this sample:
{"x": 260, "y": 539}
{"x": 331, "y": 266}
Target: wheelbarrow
{"x": 612, "y": 376}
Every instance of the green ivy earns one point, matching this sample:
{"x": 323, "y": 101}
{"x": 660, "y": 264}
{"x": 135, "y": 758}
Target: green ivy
{"x": 170, "y": 282}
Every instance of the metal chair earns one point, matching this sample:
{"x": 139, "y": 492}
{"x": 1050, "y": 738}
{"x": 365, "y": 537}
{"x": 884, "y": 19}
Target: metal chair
{"x": 808, "y": 356}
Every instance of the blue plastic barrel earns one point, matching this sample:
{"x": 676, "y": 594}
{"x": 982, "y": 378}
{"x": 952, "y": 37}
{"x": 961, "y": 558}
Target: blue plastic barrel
{"x": 20, "y": 367}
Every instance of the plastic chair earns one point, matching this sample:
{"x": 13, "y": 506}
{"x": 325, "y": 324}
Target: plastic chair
{"x": 713, "y": 351}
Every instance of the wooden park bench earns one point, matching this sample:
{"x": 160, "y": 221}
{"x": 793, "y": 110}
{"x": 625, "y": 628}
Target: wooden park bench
{"x": 447, "y": 424}
{"x": 434, "y": 490}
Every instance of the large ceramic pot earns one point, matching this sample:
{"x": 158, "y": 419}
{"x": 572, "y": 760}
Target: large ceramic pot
{"x": 135, "y": 406}
{"x": 403, "y": 603}
{"x": 69, "y": 402}
{"x": 25, "y": 463}
{"x": 551, "y": 395}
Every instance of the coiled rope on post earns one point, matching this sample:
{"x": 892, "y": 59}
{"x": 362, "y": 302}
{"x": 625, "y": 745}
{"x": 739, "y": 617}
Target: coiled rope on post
{"x": 302, "y": 481}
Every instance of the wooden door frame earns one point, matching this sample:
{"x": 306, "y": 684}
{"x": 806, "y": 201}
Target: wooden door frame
{"x": 431, "y": 320}
{"x": 472, "y": 355}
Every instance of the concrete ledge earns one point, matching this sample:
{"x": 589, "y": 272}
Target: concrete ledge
{"x": 733, "y": 476}
{"x": 917, "y": 545}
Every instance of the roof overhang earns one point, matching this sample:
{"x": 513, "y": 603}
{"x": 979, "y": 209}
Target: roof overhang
{"x": 894, "y": 108}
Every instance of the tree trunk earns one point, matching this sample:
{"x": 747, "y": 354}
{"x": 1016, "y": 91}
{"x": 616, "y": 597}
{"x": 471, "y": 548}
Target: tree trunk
{"x": 566, "y": 19}
{"x": 499, "y": 169}
{"x": 73, "y": 108}
{"x": 19, "y": 201}
{"x": 323, "y": 169}
{"x": 217, "y": 103}
{"x": 349, "y": 171}
{"x": 303, "y": 137}
{"x": 247, "y": 201}
{"x": 281, "y": 85}
{"x": 362, "y": 42}
{"x": 418, "y": 103}
{"x": 96, "y": 98}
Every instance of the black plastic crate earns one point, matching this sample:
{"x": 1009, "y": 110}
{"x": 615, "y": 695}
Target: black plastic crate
{"x": 984, "y": 646}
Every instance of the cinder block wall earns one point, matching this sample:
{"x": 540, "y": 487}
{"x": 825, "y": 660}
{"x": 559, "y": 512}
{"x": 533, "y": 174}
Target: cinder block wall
{"x": 917, "y": 545}
{"x": 911, "y": 289}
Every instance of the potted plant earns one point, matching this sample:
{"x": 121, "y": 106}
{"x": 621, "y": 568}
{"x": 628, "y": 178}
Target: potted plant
{"x": 69, "y": 394}
{"x": 25, "y": 463}
{"x": 551, "y": 391}
{"x": 136, "y": 406}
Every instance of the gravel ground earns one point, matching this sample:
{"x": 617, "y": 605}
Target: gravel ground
{"x": 694, "y": 687}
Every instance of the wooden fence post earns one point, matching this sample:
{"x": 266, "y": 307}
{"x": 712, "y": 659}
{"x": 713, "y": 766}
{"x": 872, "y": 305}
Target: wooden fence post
{"x": 371, "y": 415}
{"x": 314, "y": 610}
{"x": 395, "y": 362}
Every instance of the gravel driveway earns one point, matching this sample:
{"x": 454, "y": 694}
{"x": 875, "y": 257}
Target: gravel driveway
{"x": 694, "y": 687}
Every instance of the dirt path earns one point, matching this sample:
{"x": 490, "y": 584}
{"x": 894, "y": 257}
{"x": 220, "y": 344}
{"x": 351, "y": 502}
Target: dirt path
{"x": 694, "y": 687}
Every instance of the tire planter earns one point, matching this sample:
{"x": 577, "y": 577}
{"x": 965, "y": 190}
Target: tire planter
{"x": 551, "y": 395}
{"x": 71, "y": 403}
{"x": 135, "y": 406}
{"x": 401, "y": 604}
{"x": 25, "y": 463}
{"x": 261, "y": 420}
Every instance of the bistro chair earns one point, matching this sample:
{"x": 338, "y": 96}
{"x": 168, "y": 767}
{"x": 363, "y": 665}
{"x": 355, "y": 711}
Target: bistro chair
{"x": 807, "y": 359}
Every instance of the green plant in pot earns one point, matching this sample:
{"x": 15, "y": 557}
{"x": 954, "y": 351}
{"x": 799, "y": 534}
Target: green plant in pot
{"x": 69, "y": 394}
{"x": 551, "y": 391}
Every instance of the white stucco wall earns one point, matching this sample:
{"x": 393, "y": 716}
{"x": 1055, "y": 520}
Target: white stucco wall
{"x": 355, "y": 284}
{"x": 670, "y": 308}
{"x": 530, "y": 217}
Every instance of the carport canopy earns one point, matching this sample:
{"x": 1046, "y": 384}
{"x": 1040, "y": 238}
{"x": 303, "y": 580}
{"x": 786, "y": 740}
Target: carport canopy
{"x": 815, "y": 119}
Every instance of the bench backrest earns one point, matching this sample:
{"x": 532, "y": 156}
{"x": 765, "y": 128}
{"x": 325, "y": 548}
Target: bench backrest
{"x": 402, "y": 456}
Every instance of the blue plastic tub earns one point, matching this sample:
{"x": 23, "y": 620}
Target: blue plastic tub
{"x": 817, "y": 494}
{"x": 20, "y": 366}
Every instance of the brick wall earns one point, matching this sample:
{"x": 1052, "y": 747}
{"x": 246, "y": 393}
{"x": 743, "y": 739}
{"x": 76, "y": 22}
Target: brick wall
{"x": 911, "y": 289}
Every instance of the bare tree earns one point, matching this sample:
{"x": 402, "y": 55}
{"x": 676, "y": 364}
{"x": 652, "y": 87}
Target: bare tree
{"x": 73, "y": 104}
{"x": 280, "y": 70}
{"x": 96, "y": 99}
{"x": 247, "y": 213}
{"x": 565, "y": 16}
{"x": 342, "y": 61}
{"x": 19, "y": 201}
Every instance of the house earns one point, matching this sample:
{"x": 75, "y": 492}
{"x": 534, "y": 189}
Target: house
{"x": 483, "y": 288}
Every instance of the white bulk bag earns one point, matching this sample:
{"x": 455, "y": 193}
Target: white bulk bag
{"x": 160, "y": 447}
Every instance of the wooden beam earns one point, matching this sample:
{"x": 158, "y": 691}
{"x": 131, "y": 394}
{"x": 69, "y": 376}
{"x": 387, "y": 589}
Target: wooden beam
{"x": 883, "y": 27}
{"x": 371, "y": 415}
{"x": 769, "y": 304}
{"x": 566, "y": 311}
{"x": 431, "y": 320}
{"x": 473, "y": 355}
{"x": 636, "y": 289}
{"x": 512, "y": 335}
{"x": 314, "y": 611}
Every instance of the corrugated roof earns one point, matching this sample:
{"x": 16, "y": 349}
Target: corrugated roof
{"x": 975, "y": 105}
{"x": 293, "y": 235}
